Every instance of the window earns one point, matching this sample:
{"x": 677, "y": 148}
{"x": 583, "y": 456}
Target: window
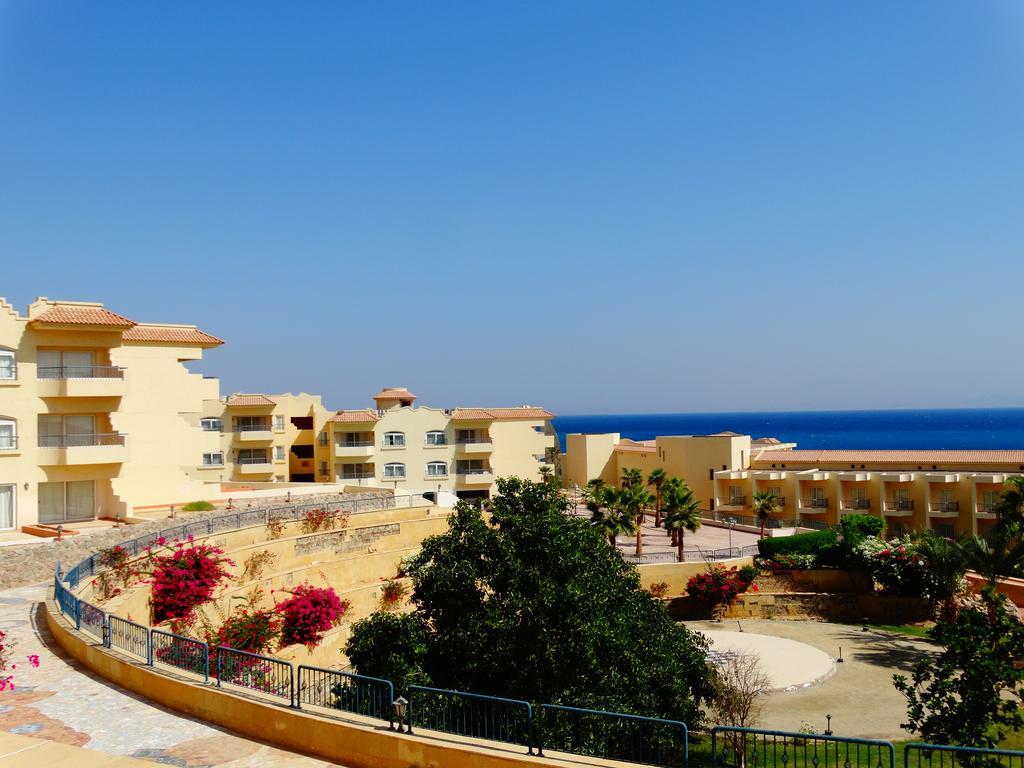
{"x": 394, "y": 470}
{"x": 8, "y": 365}
{"x": 71, "y": 364}
{"x": 354, "y": 471}
{"x": 539, "y": 429}
{"x": 212, "y": 425}
{"x": 394, "y": 439}
{"x": 437, "y": 469}
{"x": 437, "y": 437}
{"x": 56, "y": 431}
{"x": 323, "y": 439}
{"x": 7, "y": 517}
{"x": 215, "y": 459}
{"x": 324, "y": 469}
{"x": 989, "y": 501}
{"x": 278, "y": 453}
{"x": 279, "y": 422}
{"x": 59, "y": 502}
{"x": 8, "y": 436}
{"x": 252, "y": 456}
{"x": 470, "y": 467}
{"x": 252, "y": 424}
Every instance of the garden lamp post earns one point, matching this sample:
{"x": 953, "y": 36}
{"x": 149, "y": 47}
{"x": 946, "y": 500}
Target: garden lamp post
{"x": 399, "y": 708}
{"x": 828, "y": 727}
{"x": 732, "y": 522}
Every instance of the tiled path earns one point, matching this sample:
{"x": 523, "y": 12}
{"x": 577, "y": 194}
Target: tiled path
{"x": 58, "y": 701}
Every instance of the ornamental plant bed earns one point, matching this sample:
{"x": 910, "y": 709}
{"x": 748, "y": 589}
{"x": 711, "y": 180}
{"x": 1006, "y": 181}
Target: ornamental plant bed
{"x": 309, "y": 613}
{"x": 184, "y": 578}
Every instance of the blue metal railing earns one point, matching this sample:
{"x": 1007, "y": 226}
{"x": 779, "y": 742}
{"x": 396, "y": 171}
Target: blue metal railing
{"x": 933, "y": 756}
{"x": 471, "y": 714}
{"x": 359, "y": 694}
{"x": 733, "y": 747}
{"x": 92, "y": 620}
{"x": 255, "y": 672}
{"x": 179, "y": 652}
{"x": 129, "y": 636}
{"x": 613, "y": 735}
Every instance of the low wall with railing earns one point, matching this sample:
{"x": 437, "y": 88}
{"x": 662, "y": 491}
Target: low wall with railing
{"x": 676, "y": 575}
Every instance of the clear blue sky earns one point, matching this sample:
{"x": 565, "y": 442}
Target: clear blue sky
{"x": 597, "y": 207}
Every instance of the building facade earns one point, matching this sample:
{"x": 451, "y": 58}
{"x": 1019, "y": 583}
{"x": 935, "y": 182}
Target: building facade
{"x": 951, "y": 492}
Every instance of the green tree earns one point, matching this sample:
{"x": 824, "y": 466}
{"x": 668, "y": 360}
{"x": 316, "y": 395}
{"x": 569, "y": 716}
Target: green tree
{"x": 946, "y": 562}
{"x": 995, "y": 556}
{"x": 656, "y": 480}
{"x": 606, "y": 510}
{"x": 631, "y": 476}
{"x": 530, "y": 603}
{"x": 765, "y": 503}
{"x": 1010, "y": 507}
{"x": 682, "y": 512}
{"x": 969, "y": 693}
{"x": 632, "y": 501}
{"x": 392, "y": 646}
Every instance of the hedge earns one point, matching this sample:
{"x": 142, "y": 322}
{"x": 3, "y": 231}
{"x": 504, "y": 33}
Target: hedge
{"x": 813, "y": 543}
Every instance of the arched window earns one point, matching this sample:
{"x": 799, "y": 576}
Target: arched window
{"x": 8, "y": 434}
{"x": 8, "y": 365}
{"x": 437, "y": 437}
{"x": 395, "y": 470}
{"x": 394, "y": 439}
{"x": 437, "y": 469}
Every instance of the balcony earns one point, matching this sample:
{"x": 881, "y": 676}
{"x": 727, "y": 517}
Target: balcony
{"x": 74, "y": 450}
{"x": 819, "y": 504}
{"x": 254, "y": 433}
{"x": 733, "y": 502}
{"x": 347, "y": 449}
{"x": 898, "y": 507}
{"x": 80, "y": 381}
{"x": 856, "y": 503}
{"x": 255, "y": 465}
{"x": 356, "y": 476}
{"x": 475, "y": 476}
{"x": 474, "y": 445}
{"x": 986, "y": 510}
{"x": 944, "y": 509}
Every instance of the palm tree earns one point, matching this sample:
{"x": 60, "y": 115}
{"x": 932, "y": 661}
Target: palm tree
{"x": 546, "y": 473}
{"x": 632, "y": 501}
{"x": 1010, "y": 507}
{"x": 682, "y": 512}
{"x": 606, "y": 511}
{"x": 657, "y": 479}
{"x": 764, "y": 504}
{"x": 998, "y": 555}
{"x": 632, "y": 476}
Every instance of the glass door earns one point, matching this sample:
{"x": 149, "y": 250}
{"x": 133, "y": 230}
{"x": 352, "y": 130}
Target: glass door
{"x": 6, "y": 506}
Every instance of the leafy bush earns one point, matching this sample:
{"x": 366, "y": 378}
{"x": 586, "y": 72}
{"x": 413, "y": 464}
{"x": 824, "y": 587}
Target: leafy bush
{"x": 659, "y": 590}
{"x": 392, "y": 646}
{"x": 717, "y": 585}
{"x": 813, "y": 543}
{"x": 308, "y": 613}
{"x": 275, "y": 528}
{"x": 787, "y": 562}
{"x": 184, "y": 579}
{"x": 198, "y": 506}
{"x": 748, "y": 573}
{"x": 392, "y": 593}
{"x": 896, "y": 565}
{"x": 855, "y": 528}
{"x": 248, "y": 630}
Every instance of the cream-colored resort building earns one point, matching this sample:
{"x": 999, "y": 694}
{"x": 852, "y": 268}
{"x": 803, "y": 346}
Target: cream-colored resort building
{"x": 951, "y": 492}
{"x": 100, "y": 416}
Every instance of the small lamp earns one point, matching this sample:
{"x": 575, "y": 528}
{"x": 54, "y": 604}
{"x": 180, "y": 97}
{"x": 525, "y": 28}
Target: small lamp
{"x": 828, "y": 727}
{"x": 399, "y": 708}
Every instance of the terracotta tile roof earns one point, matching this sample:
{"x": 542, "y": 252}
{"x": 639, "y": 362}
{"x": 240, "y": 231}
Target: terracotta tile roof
{"x": 354, "y": 417}
{"x": 488, "y": 414}
{"x": 922, "y": 458}
{"x": 394, "y": 393}
{"x": 171, "y": 334}
{"x": 242, "y": 400}
{"x": 74, "y": 314}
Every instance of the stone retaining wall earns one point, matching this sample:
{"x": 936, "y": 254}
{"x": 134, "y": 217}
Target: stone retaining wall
{"x": 817, "y": 606}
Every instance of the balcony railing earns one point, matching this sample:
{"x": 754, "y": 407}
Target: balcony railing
{"x": 987, "y": 508}
{"x": 737, "y": 501}
{"x": 8, "y": 442}
{"x": 473, "y": 441}
{"x": 79, "y": 441}
{"x": 856, "y": 503}
{"x": 356, "y": 475}
{"x": 253, "y": 427}
{"x": 819, "y": 503}
{"x": 253, "y": 460}
{"x": 899, "y": 505}
{"x": 945, "y": 506}
{"x": 354, "y": 443}
{"x": 51, "y": 372}
{"x": 466, "y": 471}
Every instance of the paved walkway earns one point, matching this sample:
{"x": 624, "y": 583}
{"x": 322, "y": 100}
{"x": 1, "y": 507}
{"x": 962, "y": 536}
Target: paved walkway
{"x": 61, "y": 702}
{"x": 859, "y": 695}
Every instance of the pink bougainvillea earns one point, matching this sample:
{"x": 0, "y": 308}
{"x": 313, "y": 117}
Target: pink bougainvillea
{"x": 717, "y": 585}
{"x": 185, "y": 578}
{"x": 308, "y": 613}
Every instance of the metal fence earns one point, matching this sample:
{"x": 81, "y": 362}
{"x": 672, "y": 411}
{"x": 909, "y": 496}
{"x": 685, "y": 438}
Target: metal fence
{"x": 92, "y": 620}
{"x": 612, "y": 736}
{"x": 693, "y": 555}
{"x": 471, "y": 714}
{"x": 128, "y": 636}
{"x": 265, "y": 674}
{"x": 358, "y": 694}
{"x": 932, "y": 756}
{"x": 182, "y": 653}
{"x": 753, "y": 748}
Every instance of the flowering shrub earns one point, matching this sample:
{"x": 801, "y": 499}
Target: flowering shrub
{"x": 275, "y": 528}
{"x": 5, "y": 653}
{"x": 717, "y": 585}
{"x": 184, "y": 579}
{"x": 659, "y": 590}
{"x": 895, "y": 565}
{"x": 314, "y": 520}
{"x": 118, "y": 570}
{"x": 787, "y": 562}
{"x": 308, "y": 613}
{"x": 256, "y": 563}
{"x": 392, "y": 593}
{"x": 248, "y": 629}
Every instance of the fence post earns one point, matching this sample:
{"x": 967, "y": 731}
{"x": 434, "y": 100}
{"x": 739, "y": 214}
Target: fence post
{"x": 149, "y": 647}
{"x": 206, "y": 664}
{"x": 78, "y": 614}
{"x": 408, "y": 714}
{"x": 291, "y": 686}
{"x": 298, "y": 690}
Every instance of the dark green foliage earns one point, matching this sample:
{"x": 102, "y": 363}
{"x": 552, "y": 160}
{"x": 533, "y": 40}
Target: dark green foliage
{"x": 197, "y": 506}
{"x": 959, "y": 696}
{"x": 813, "y": 543}
{"x": 391, "y": 646}
{"x": 748, "y": 573}
{"x": 533, "y": 604}
{"x": 855, "y": 528}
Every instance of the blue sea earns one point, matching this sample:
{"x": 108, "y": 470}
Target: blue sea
{"x": 988, "y": 428}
